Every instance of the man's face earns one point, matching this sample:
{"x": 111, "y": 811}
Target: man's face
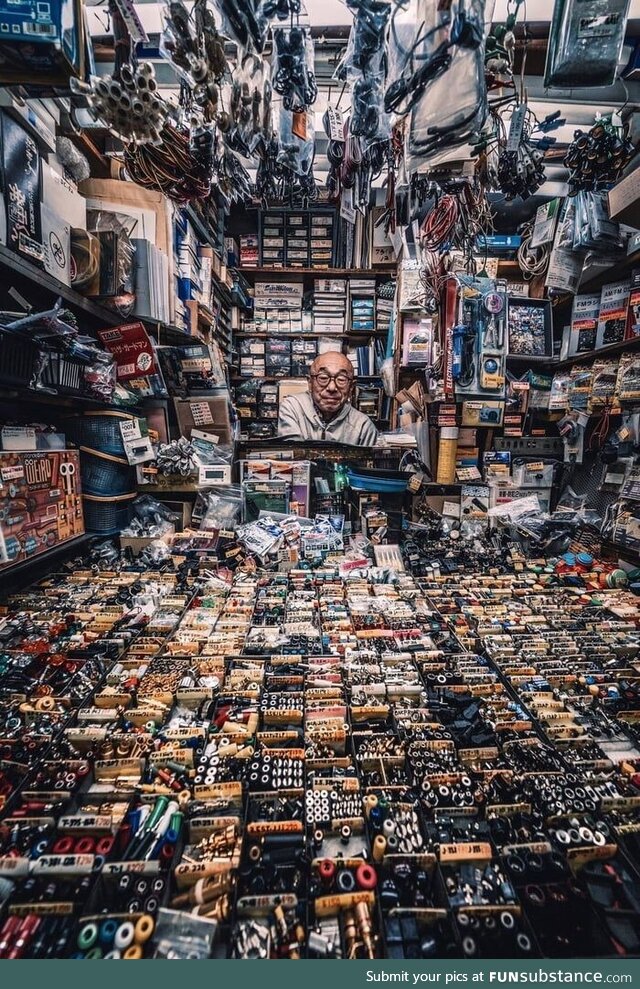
{"x": 331, "y": 381}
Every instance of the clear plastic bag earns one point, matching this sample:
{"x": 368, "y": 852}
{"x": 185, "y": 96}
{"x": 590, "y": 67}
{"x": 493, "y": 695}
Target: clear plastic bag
{"x": 436, "y": 74}
{"x": 246, "y": 24}
{"x": 180, "y": 935}
{"x": 296, "y": 146}
{"x": 293, "y": 69}
{"x": 219, "y": 508}
{"x": 250, "y": 104}
{"x": 585, "y": 42}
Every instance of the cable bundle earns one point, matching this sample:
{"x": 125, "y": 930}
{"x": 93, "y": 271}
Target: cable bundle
{"x": 172, "y": 166}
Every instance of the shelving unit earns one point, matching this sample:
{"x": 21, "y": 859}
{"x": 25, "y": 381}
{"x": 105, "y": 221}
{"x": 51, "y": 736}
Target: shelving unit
{"x": 387, "y": 270}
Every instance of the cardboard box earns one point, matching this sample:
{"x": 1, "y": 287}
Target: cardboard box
{"x": 137, "y": 543}
{"x": 208, "y": 414}
{"x": 40, "y": 501}
{"x": 624, "y": 200}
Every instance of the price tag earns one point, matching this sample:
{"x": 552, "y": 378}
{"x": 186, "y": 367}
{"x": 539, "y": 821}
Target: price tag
{"x": 335, "y": 119}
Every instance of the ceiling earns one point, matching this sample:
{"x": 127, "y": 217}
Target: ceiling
{"x": 331, "y": 20}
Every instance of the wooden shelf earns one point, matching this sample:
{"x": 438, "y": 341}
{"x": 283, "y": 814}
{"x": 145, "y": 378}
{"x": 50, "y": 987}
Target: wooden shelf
{"x": 295, "y": 377}
{"x": 8, "y": 394}
{"x": 320, "y": 272}
{"x": 40, "y": 289}
{"x": 353, "y": 334}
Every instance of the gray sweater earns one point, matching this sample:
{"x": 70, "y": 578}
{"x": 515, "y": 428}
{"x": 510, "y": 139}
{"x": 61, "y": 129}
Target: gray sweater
{"x": 299, "y": 420}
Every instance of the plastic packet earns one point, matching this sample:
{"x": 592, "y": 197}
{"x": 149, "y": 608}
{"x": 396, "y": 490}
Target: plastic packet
{"x": 100, "y": 378}
{"x": 219, "y": 508}
{"x": 244, "y": 24}
{"x": 262, "y": 537}
{"x": 368, "y": 119}
{"x": 364, "y": 65}
{"x": 296, "y": 141}
{"x": 250, "y": 104}
{"x": 293, "y": 68}
{"x": 104, "y": 224}
{"x": 436, "y": 74}
{"x": 585, "y": 42}
{"x": 150, "y": 511}
{"x": 154, "y": 554}
{"x": 180, "y": 935}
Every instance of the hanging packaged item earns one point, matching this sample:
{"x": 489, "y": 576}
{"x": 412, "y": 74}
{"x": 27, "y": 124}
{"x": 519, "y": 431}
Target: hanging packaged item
{"x": 293, "y": 75}
{"x": 436, "y": 74}
{"x": 585, "y": 42}
{"x": 480, "y": 339}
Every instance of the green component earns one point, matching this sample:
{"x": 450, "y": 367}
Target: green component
{"x": 88, "y": 936}
{"x": 161, "y": 805}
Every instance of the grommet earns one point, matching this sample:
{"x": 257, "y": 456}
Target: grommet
{"x": 85, "y": 846}
{"x": 392, "y": 843}
{"x": 113, "y": 954}
{"x": 515, "y": 864}
{"x": 63, "y": 846}
{"x": 144, "y": 929}
{"x": 535, "y": 862}
{"x": 469, "y": 946}
{"x": 345, "y": 881}
{"x": 104, "y": 846}
{"x": 94, "y": 953}
{"x": 88, "y": 936}
{"x": 523, "y": 941}
{"x": 507, "y": 921}
{"x": 133, "y": 953}
{"x": 388, "y": 826}
{"x": 327, "y": 870}
{"x": 107, "y": 931}
{"x": 366, "y": 877}
{"x": 124, "y": 935}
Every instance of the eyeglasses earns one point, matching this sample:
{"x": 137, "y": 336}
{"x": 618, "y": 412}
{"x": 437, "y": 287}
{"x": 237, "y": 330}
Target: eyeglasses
{"x": 342, "y": 378}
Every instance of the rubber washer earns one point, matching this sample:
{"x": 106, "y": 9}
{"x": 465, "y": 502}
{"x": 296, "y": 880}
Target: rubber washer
{"x": 63, "y": 846}
{"x": 104, "y": 846}
{"x": 144, "y": 929}
{"x": 133, "y": 953}
{"x": 366, "y": 877}
{"x": 327, "y": 870}
{"x": 85, "y": 846}
{"x": 346, "y": 881}
{"x": 124, "y": 935}
{"x": 107, "y": 931}
{"x": 94, "y": 953}
{"x": 88, "y": 936}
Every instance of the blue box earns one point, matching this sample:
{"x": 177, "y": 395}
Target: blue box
{"x": 41, "y": 42}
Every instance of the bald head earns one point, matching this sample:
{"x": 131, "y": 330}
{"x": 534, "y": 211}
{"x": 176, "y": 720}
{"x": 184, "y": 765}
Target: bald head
{"x": 331, "y": 382}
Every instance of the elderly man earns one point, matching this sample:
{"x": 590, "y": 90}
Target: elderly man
{"x": 326, "y": 413}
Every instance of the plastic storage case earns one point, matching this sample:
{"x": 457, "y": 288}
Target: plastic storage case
{"x": 99, "y": 431}
{"x": 103, "y": 474}
{"x": 105, "y": 515}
